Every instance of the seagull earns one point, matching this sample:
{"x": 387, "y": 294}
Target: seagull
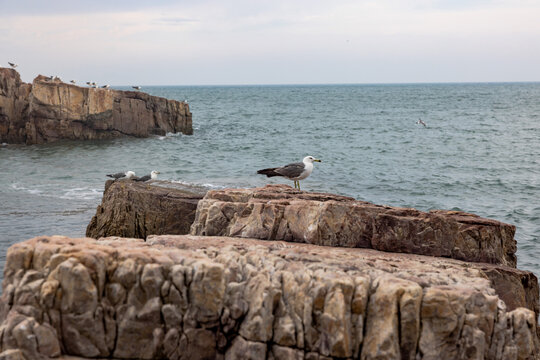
{"x": 49, "y": 78}
{"x": 153, "y": 176}
{"x": 421, "y": 122}
{"x": 295, "y": 171}
{"x": 137, "y": 87}
{"x": 127, "y": 175}
{"x": 13, "y": 65}
{"x": 72, "y": 81}
{"x": 88, "y": 83}
{"x": 105, "y": 86}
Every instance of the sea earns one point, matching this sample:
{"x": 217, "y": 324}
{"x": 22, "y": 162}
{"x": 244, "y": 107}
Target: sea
{"x": 479, "y": 152}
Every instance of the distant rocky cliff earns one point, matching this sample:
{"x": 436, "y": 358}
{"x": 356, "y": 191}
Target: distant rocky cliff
{"x": 49, "y": 110}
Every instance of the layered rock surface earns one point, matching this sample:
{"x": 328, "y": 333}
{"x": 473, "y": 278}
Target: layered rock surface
{"x": 136, "y": 210}
{"x": 189, "y": 297}
{"x": 47, "y": 110}
{"x": 278, "y": 212}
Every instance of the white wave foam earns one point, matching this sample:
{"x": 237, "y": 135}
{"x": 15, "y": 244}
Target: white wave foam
{"x": 18, "y": 187}
{"x": 206, "y": 185}
{"x": 83, "y": 193}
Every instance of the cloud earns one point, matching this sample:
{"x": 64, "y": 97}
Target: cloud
{"x": 243, "y": 41}
{"x": 175, "y": 20}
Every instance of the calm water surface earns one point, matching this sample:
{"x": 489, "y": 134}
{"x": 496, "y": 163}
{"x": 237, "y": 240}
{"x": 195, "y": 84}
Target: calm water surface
{"x": 480, "y": 153}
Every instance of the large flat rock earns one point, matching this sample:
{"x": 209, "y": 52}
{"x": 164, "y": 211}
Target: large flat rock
{"x": 190, "y": 297}
{"x": 138, "y": 209}
{"x": 48, "y": 110}
{"x": 279, "y": 212}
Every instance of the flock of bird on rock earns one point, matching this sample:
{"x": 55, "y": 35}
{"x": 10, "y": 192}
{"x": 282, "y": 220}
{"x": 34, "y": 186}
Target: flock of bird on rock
{"x": 91, "y": 84}
{"x": 295, "y": 171}
{"x": 131, "y": 175}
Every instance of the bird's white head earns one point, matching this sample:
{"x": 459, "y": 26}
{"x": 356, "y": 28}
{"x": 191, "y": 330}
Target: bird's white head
{"x": 153, "y": 174}
{"x": 130, "y": 174}
{"x": 310, "y": 160}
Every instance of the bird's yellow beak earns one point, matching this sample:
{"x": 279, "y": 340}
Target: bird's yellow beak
{"x": 317, "y": 160}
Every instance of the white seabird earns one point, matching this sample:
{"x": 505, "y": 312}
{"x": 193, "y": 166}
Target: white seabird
{"x": 105, "y": 86}
{"x": 127, "y": 175}
{"x": 72, "y": 81}
{"x": 421, "y": 122}
{"x": 137, "y": 87}
{"x": 152, "y": 176}
{"x": 13, "y": 65}
{"x": 295, "y": 171}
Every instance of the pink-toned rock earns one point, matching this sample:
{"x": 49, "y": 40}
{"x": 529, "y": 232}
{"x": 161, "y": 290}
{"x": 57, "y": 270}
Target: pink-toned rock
{"x": 278, "y": 212}
{"x": 176, "y": 297}
{"x": 50, "y": 110}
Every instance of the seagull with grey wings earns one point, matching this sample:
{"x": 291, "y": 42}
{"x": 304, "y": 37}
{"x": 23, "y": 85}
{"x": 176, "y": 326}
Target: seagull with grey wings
{"x": 295, "y": 171}
{"x": 13, "y": 65}
{"x": 120, "y": 175}
{"x": 152, "y": 176}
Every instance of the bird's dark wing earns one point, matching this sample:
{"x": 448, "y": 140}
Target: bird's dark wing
{"x": 268, "y": 172}
{"x": 144, "y": 178}
{"x": 291, "y": 170}
{"x": 116, "y": 176}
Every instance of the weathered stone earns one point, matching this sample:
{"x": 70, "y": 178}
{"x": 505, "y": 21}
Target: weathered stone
{"x": 285, "y": 353}
{"x": 393, "y": 321}
{"x": 191, "y": 297}
{"x": 48, "y": 110}
{"x": 278, "y": 212}
{"x": 249, "y": 350}
{"x": 12, "y": 354}
{"x": 135, "y": 209}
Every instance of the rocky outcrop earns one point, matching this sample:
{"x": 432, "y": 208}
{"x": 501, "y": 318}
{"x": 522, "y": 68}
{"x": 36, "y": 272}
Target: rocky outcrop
{"x": 278, "y": 212}
{"x": 190, "y": 297}
{"x": 136, "y": 210}
{"x": 49, "y": 110}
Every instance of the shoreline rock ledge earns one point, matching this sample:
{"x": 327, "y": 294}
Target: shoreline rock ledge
{"x": 192, "y": 297}
{"x": 278, "y": 212}
{"x": 50, "y": 110}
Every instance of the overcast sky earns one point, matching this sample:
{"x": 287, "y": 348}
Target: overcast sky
{"x": 199, "y": 42}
